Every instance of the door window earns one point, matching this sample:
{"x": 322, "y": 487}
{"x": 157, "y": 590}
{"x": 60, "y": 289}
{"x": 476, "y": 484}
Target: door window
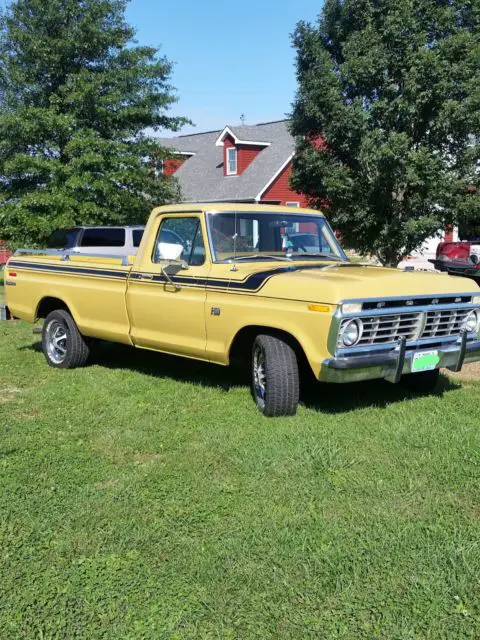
{"x": 180, "y": 239}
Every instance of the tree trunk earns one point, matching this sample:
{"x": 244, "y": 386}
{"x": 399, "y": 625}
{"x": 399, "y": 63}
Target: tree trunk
{"x": 390, "y": 258}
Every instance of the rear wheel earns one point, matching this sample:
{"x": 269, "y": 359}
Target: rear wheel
{"x": 275, "y": 377}
{"x": 423, "y": 382}
{"x": 63, "y": 345}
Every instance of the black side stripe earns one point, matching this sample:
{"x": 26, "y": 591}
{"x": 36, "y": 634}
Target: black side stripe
{"x": 252, "y": 283}
{"x": 36, "y": 266}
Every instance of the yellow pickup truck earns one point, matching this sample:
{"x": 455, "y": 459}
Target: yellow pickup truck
{"x": 267, "y": 284}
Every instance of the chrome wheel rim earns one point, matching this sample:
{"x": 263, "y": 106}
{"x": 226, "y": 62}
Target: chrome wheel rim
{"x": 259, "y": 376}
{"x": 56, "y": 341}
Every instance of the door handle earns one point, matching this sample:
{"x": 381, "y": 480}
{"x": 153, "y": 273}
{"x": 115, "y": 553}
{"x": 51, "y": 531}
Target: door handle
{"x": 146, "y": 276}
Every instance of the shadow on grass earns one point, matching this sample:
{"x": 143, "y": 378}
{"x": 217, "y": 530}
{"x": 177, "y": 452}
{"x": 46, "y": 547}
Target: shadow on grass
{"x": 327, "y": 398}
{"x": 339, "y": 398}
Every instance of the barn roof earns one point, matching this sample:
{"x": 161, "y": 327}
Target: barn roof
{"x": 202, "y": 175}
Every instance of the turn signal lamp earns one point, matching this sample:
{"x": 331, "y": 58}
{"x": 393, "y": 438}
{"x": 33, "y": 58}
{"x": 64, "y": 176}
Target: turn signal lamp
{"x": 323, "y": 308}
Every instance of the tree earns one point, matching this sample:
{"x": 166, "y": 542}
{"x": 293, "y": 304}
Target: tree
{"x": 76, "y": 97}
{"x": 387, "y": 119}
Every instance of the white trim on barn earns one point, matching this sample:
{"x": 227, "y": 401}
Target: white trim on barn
{"x": 180, "y": 153}
{"x": 228, "y": 132}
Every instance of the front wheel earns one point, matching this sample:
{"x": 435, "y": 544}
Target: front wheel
{"x": 423, "y": 382}
{"x": 63, "y": 345}
{"x": 275, "y": 376}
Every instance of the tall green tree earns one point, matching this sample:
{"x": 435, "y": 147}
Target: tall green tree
{"x": 76, "y": 98}
{"x": 387, "y": 118}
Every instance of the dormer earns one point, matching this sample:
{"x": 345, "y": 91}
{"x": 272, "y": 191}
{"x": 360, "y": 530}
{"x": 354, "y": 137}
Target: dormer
{"x": 238, "y": 151}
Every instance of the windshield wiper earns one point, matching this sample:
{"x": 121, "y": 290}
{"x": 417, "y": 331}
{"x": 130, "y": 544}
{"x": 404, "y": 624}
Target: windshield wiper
{"x": 327, "y": 256}
{"x": 257, "y": 256}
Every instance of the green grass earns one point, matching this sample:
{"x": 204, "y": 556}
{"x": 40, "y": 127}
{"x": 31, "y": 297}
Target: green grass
{"x": 144, "y": 497}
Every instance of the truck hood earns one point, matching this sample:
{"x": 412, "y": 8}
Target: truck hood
{"x": 334, "y": 283}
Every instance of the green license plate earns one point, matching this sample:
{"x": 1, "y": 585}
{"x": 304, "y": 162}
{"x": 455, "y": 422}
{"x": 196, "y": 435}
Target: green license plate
{"x": 425, "y": 361}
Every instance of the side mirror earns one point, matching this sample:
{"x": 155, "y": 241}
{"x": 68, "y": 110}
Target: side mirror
{"x": 172, "y": 268}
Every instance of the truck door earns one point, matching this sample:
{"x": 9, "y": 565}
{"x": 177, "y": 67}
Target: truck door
{"x": 167, "y": 309}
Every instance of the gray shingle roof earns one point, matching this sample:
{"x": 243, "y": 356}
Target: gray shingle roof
{"x": 201, "y": 176}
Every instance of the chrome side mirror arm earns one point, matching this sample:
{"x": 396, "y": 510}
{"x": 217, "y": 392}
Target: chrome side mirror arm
{"x": 175, "y": 267}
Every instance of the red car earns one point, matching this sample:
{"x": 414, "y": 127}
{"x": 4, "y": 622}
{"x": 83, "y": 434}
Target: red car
{"x": 459, "y": 258}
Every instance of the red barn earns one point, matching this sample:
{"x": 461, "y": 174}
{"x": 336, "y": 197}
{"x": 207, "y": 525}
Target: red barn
{"x": 4, "y": 253}
{"x": 250, "y": 164}
{"x": 236, "y": 164}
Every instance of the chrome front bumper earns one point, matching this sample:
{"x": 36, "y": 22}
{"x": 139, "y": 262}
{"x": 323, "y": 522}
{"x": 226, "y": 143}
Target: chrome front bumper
{"x": 393, "y": 364}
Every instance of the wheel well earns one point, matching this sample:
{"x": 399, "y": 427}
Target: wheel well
{"x": 49, "y": 304}
{"x": 242, "y": 344}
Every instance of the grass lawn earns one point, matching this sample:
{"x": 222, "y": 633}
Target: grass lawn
{"x": 144, "y": 497}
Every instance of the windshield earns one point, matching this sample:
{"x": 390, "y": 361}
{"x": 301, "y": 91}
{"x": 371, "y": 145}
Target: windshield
{"x": 259, "y": 235}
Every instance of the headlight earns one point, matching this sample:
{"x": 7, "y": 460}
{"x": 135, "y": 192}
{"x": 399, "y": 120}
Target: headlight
{"x": 472, "y": 322}
{"x": 351, "y": 333}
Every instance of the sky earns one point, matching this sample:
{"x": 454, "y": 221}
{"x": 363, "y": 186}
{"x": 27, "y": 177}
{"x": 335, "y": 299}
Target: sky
{"x": 230, "y": 58}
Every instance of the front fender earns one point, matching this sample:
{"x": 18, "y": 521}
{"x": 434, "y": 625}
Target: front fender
{"x": 237, "y": 313}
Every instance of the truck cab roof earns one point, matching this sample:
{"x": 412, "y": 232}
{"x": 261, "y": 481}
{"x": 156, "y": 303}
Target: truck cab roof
{"x": 204, "y": 207}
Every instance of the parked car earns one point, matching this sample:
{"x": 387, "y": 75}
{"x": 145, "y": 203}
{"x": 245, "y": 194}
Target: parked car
{"x": 459, "y": 258}
{"x": 190, "y": 291}
{"x": 465, "y": 250}
{"x": 115, "y": 240}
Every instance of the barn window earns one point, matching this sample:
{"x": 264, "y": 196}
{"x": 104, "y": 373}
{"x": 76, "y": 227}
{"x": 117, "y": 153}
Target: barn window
{"x": 231, "y": 161}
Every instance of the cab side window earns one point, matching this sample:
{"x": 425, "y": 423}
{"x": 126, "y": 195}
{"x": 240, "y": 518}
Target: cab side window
{"x": 180, "y": 239}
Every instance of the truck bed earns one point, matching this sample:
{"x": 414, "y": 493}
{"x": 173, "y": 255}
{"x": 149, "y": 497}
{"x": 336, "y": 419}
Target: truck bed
{"x": 87, "y": 285}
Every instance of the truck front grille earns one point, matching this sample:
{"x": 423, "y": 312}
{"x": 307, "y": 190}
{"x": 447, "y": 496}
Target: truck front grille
{"x": 383, "y": 329}
{"x": 447, "y": 322}
{"x": 389, "y": 328}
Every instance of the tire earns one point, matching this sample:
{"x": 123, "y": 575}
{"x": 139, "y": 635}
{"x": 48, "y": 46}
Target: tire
{"x": 63, "y": 345}
{"x": 275, "y": 377}
{"x": 423, "y": 382}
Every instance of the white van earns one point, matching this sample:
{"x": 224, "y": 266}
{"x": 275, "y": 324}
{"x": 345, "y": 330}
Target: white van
{"x": 118, "y": 240}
